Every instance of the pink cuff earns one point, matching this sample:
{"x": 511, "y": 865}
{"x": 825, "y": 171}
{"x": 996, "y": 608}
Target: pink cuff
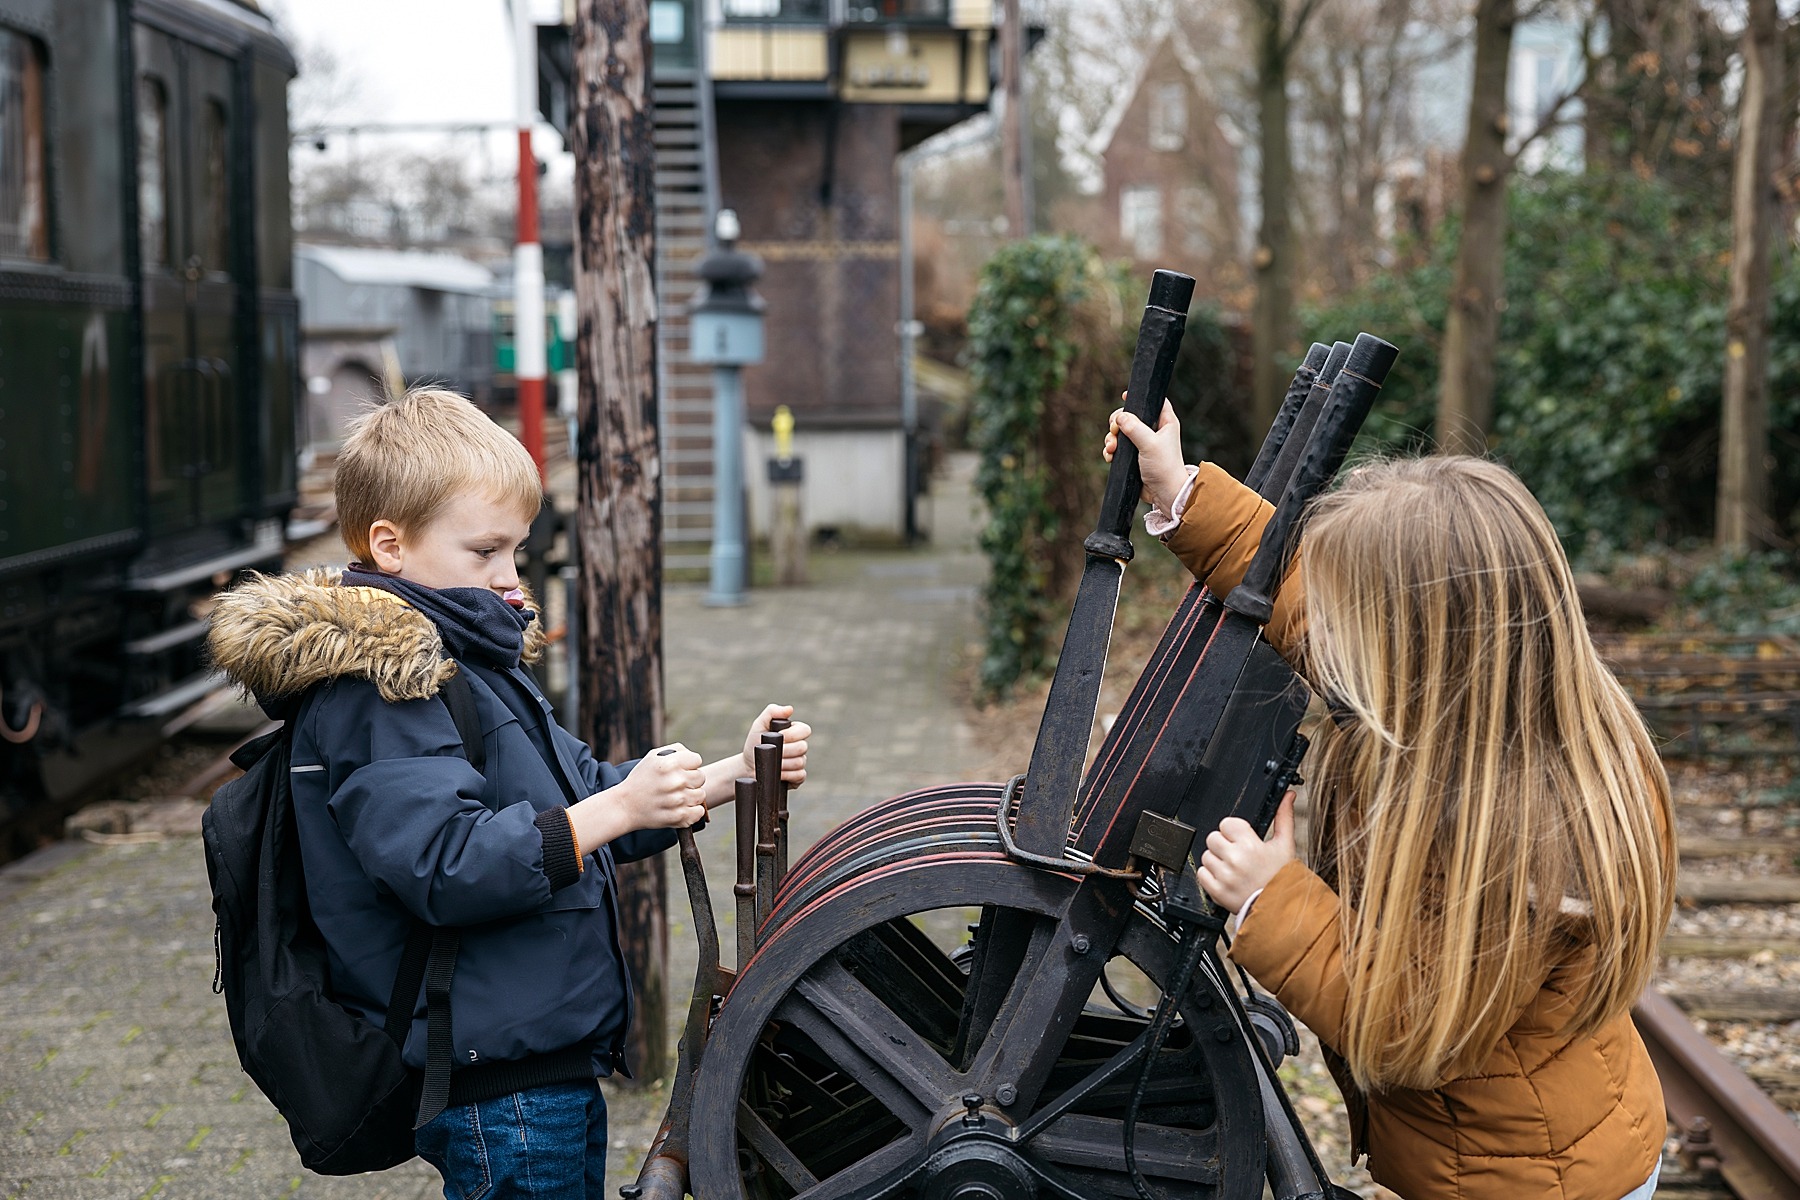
{"x": 1161, "y": 524}
{"x": 1245, "y": 911}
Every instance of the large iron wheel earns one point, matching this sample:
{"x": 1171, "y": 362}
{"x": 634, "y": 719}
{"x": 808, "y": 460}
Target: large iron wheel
{"x": 850, "y": 1061}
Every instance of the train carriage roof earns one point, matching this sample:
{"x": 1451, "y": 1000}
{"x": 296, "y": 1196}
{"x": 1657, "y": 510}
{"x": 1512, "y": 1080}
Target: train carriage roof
{"x": 243, "y": 22}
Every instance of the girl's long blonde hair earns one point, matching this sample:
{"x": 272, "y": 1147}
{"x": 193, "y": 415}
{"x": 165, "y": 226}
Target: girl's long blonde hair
{"x": 1488, "y": 801}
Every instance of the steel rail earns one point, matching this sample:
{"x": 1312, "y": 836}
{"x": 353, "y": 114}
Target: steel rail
{"x": 1757, "y": 1146}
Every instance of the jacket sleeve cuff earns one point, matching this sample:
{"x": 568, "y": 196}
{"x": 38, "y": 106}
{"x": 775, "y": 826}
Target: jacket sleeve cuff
{"x": 1160, "y": 524}
{"x": 562, "y": 861}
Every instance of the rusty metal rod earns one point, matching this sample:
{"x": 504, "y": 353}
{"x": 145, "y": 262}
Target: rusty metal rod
{"x": 768, "y": 779}
{"x": 745, "y": 888}
{"x": 1756, "y": 1144}
{"x": 777, "y": 736}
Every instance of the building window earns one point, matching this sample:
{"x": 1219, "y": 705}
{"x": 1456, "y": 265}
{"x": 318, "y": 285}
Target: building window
{"x": 1168, "y": 116}
{"x": 216, "y": 237}
{"x": 1141, "y": 220}
{"x": 24, "y": 196}
{"x": 775, "y": 10}
{"x": 153, "y": 172}
{"x": 668, "y": 22}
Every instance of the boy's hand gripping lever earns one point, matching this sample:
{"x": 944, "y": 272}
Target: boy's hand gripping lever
{"x": 776, "y": 737}
{"x": 1048, "y": 799}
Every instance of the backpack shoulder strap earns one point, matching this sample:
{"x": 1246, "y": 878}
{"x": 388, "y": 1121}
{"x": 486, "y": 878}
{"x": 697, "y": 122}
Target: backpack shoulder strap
{"x": 459, "y": 697}
{"x": 430, "y": 954}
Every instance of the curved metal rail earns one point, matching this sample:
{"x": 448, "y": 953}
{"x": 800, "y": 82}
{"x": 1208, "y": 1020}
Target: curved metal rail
{"x": 1755, "y": 1144}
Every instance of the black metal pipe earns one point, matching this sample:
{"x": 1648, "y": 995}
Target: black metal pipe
{"x": 1352, "y": 395}
{"x": 1291, "y": 404}
{"x": 1158, "y": 342}
{"x": 1281, "y": 471}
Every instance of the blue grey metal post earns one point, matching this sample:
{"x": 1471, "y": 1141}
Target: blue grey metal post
{"x": 727, "y": 331}
{"x": 727, "y": 565}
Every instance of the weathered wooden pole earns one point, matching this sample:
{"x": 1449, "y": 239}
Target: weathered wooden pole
{"x": 618, "y": 514}
{"x": 1012, "y": 122}
{"x": 1742, "y": 520}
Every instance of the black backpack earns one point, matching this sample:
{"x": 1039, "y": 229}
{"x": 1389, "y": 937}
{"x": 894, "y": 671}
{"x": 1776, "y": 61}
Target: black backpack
{"x": 350, "y": 1103}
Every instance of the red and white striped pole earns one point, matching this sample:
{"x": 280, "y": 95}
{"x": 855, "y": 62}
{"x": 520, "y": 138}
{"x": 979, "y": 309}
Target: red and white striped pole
{"x": 528, "y": 256}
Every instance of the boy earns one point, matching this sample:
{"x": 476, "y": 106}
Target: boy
{"x": 395, "y": 823}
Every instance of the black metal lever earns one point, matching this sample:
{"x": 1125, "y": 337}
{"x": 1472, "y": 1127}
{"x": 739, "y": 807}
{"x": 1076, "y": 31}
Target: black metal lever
{"x": 1158, "y": 343}
{"x": 1352, "y": 395}
{"x": 1298, "y": 390}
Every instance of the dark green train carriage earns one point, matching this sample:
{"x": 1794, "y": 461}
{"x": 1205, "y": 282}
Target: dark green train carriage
{"x": 148, "y": 362}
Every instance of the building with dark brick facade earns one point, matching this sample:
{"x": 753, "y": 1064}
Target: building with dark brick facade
{"x": 814, "y": 101}
{"x": 794, "y": 113}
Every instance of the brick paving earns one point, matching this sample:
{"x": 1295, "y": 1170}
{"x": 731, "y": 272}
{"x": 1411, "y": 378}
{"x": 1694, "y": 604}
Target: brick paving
{"x": 117, "y": 1075}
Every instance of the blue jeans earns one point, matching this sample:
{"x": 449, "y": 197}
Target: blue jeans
{"x": 547, "y": 1143}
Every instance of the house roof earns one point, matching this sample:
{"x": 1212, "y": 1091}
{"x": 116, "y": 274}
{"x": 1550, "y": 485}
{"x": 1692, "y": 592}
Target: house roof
{"x": 1169, "y": 31}
{"x": 399, "y": 268}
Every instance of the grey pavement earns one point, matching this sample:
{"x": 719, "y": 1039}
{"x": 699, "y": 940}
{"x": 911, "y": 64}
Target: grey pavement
{"x": 117, "y": 1074}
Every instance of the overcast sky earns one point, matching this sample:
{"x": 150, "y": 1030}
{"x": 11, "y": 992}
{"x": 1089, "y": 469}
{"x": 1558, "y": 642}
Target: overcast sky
{"x": 419, "y": 61}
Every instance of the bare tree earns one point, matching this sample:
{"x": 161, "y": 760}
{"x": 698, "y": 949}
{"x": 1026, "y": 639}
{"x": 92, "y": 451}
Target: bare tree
{"x": 1278, "y": 26}
{"x": 1742, "y": 515}
{"x": 1357, "y": 82}
{"x": 1654, "y": 98}
{"x": 618, "y": 522}
{"x": 1477, "y": 295}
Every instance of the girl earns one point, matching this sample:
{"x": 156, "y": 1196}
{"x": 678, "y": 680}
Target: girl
{"x": 1491, "y": 858}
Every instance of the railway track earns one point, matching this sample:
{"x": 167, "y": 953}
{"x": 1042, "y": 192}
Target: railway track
{"x": 1723, "y": 1025}
{"x": 1726, "y": 1123}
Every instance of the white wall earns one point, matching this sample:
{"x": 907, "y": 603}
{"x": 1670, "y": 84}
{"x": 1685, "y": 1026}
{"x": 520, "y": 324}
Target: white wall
{"x": 854, "y": 479}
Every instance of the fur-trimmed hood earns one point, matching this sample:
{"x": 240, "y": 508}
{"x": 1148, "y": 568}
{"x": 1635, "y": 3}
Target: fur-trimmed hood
{"x": 278, "y": 635}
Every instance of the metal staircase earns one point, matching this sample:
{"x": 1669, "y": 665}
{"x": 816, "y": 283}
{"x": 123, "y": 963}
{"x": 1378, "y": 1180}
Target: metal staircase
{"x": 686, "y": 197}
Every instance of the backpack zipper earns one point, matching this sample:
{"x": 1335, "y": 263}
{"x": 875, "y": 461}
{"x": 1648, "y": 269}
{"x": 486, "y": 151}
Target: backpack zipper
{"x": 218, "y": 962}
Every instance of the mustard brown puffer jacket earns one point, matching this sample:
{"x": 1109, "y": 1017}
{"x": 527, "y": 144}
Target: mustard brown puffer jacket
{"x": 1547, "y": 1115}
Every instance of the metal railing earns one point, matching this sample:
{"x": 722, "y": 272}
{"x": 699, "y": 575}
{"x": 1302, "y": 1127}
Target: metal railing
{"x": 837, "y": 12}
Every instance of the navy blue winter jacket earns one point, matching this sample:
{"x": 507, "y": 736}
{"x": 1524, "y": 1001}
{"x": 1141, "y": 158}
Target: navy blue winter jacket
{"x": 395, "y": 823}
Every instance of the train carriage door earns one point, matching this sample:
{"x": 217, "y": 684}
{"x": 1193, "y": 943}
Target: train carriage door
{"x": 214, "y": 269}
{"x": 186, "y": 113}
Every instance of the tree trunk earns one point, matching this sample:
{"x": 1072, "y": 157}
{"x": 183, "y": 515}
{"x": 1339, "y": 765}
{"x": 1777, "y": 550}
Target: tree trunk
{"x": 1272, "y": 319}
{"x": 1742, "y": 519}
{"x": 1465, "y": 412}
{"x": 1012, "y": 126}
{"x": 618, "y": 514}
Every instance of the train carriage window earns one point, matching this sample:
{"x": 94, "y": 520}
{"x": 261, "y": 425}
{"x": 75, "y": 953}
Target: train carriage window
{"x": 24, "y": 198}
{"x": 215, "y": 238}
{"x": 153, "y": 171}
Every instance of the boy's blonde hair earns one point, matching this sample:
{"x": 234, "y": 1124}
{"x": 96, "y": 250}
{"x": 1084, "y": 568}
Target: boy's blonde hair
{"x": 405, "y": 459}
{"x": 1491, "y": 807}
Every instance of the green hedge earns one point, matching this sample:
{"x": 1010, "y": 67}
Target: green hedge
{"x": 1046, "y": 348}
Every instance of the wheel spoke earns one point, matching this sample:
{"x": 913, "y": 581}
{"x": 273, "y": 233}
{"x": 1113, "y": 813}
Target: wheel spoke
{"x": 773, "y": 1150}
{"x": 870, "y": 1177}
{"x": 1033, "y": 1023}
{"x": 1097, "y": 1144}
{"x": 860, "y": 1034}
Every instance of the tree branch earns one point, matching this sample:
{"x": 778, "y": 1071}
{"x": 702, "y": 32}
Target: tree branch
{"x": 1551, "y": 120}
{"x": 1292, "y": 37}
